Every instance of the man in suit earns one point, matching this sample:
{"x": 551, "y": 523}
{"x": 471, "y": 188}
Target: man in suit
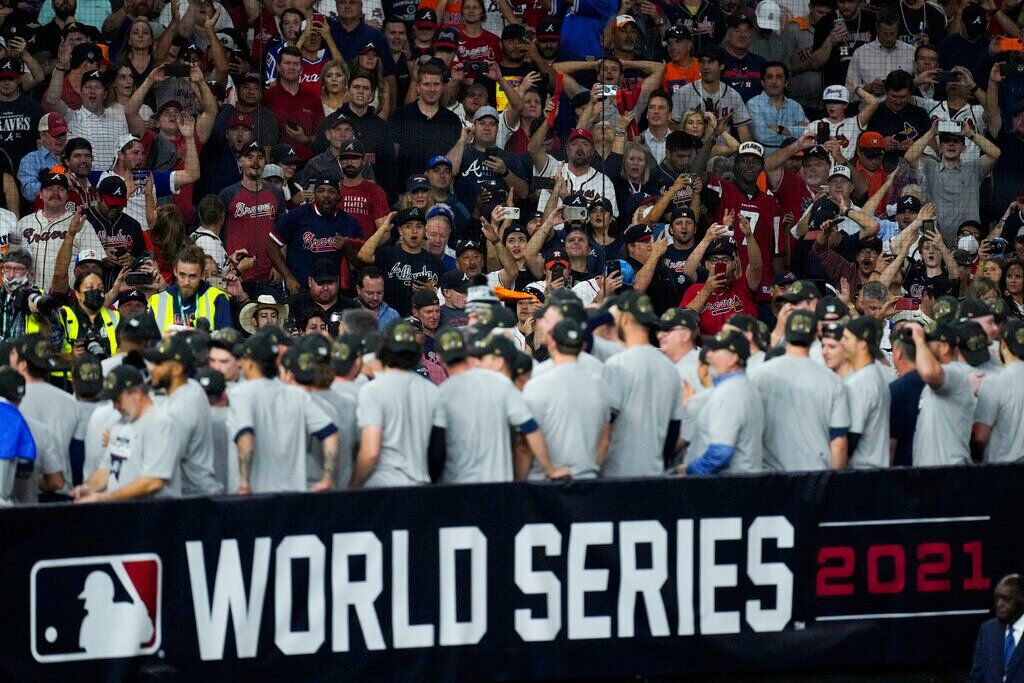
{"x": 998, "y": 655}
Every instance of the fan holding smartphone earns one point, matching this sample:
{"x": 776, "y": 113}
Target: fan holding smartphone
{"x": 723, "y": 293}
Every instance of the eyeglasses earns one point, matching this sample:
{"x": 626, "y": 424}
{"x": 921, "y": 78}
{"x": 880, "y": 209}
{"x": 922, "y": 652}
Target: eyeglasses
{"x": 14, "y": 269}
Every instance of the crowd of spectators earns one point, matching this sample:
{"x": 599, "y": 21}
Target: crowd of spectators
{"x": 293, "y": 244}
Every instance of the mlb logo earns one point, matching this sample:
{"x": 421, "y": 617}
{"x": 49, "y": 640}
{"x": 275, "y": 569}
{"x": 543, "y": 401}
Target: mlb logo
{"x": 96, "y": 607}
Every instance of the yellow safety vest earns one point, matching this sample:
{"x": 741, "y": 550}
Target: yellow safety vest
{"x": 162, "y": 305}
{"x": 110, "y": 320}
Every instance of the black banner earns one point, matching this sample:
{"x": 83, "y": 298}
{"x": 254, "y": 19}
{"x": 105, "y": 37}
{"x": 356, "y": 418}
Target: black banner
{"x": 597, "y": 578}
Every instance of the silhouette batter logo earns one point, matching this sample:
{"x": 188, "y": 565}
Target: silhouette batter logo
{"x": 96, "y": 607}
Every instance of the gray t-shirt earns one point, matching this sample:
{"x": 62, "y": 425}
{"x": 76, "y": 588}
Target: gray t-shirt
{"x": 687, "y": 369}
{"x": 868, "y": 393}
{"x": 85, "y": 410}
{"x": 733, "y": 416}
{"x": 49, "y": 460}
{"x": 954, "y": 191}
{"x": 224, "y": 452}
{"x": 572, "y": 407}
{"x": 104, "y": 417}
{"x": 476, "y": 408}
{"x": 189, "y": 410}
{"x": 802, "y": 402}
{"x": 52, "y": 407}
{"x": 1001, "y": 406}
{"x": 590, "y": 363}
{"x": 148, "y": 447}
{"x": 692, "y": 428}
{"x": 342, "y": 412}
{"x": 606, "y": 348}
{"x": 944, "y": 422}
{"x": 280, "y": 417}
{"x": 402, "y": 404}
{"x": 648, "y": 394}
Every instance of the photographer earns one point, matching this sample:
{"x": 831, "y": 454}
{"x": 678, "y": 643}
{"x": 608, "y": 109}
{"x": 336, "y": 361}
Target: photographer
{"x": 23, "y": 308}
{"x": 88, "y": 324}
{"x": 190, "y": 298}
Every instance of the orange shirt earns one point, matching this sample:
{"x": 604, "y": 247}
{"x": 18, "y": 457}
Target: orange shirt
{"x": 676, "y": 77}
{"x": 874, "y": 180}
{"x": 452, "y": 11}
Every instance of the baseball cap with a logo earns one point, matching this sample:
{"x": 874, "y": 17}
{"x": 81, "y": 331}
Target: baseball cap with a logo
{"x": 625, "y": 20}
{"x": 10, "y": 68}
{"x": 240, "y": 120}
{"x": 548, "y": 28}
{"x": 801, "y": 290}
{"x": 87, "y": 375}
{"x": 1012, "y": 335}
{"x": 580, "y": 133}
{"x": 53, "y": 179}
{"x": 836, "y": 93}
{"x": 88, "y": 256}
{"x": 730, "y": 340}
{"x": 54, "y": 124}
{"x": 399, "y": 336}
{"x": 769, "y": 15}
{"x": 680, "y": 319}
{"x": 174, "y": 348}
{"x": 869, "y": 139}
{"x": 447, "y": 39}
{"x": 119, "y": 380}
{"x": 973, "y": 343}
{"x": 451, "y": 345}
{"x": 868, "y": 330}
{"x": 751, "y": 148}
{"x": 113, "y": 191}
{"x": 840, "y": 170}
{"x": 639, "y": 306}
{"x": 568, "y": 333}
{"x": 425, "y": 18}
{"x": 345, "y": 350}
{"x": 801, "y": 327}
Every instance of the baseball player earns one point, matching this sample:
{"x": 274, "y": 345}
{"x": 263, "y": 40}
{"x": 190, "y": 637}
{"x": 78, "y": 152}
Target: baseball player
{"x": 942, "y": 435}
{"x": 732, "y": 421}
{"x": 269, "y": 422}
{"x": 678, "y": 341}
{"x": 997, "y": 424}
{"x": 395, "y": 415}
{"x": 571, "y": 406}
{"x": 867, "y": 390}
{"x": 555, "y": 310}
{"x": 806, "y": 411}
{"x": 647, "y": 391}
{"x": 187, "y": 406}
{"x": 476, "y": 408}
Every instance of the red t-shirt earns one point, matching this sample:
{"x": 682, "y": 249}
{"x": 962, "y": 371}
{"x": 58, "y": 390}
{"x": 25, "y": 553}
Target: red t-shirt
{"x": 720, "y": 306}
{"x": 763, "y": 212}
{"x": 365, "y": 202}
{"x": 302, "y": 108}
{"x": 794, "y": 197}
{"x": 485, "y": 47}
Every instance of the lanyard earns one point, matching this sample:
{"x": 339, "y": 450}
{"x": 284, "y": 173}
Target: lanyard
{"x": 181, "y": 308}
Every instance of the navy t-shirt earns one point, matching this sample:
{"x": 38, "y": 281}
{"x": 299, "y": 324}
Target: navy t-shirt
{"x": 744, "y": 74}
{"x": 474, "y": 175}
{"x": 308, "y": 235}
{"x": 906, "y": 397}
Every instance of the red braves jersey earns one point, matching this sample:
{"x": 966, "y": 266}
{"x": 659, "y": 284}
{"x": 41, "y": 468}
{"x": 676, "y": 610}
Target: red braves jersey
{"x": 304, "y": 109}
{"x": 763, "y": 212}
{"x": 794, "y": 197}
{"x": 720, "y": 306}
{"x": 248, "y": 219}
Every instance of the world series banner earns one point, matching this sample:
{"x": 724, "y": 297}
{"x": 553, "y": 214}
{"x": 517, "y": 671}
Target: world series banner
{"x": 598, "y": 578}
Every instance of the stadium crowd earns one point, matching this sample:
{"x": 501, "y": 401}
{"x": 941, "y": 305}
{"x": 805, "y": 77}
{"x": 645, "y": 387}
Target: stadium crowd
{"x": 292, "y": 245}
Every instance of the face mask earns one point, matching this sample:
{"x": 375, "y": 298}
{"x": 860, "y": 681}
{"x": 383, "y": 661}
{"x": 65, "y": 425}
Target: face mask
{"x": 93, "y": 299}
{"x": 13, "y": 283}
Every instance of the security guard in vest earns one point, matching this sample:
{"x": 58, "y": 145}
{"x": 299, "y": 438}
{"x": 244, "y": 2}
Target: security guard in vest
{"x": 191, "y": 298}
{"x": 88, "y": 325}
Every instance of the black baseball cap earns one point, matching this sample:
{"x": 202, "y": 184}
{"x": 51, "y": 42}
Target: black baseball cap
{"x": 514, "y": 32}
{"x": 638, "y": 232}
{"x": 549, "y": 27}
{"x": 400, "y": 336}
{"x": 501, "y": 346}
{"x": 973, "y": 307}
{"x": 639, "y": 306}
{"x": 1000, "y": 309}
{"x": 467, "y": 244}
{"x": 12, "y": 384}
{"x": 801, "y": 328}
{"x": 729, "y": 340}
{"x": 495, "y": 316}
{"x": 352, "y": 148}
{"x": 833, "y": 330}
{"x": 830, "y": 308}
{"x": 424, "y": 297}
{"x": 10, "y": 68}
{"x": 227, "y": 338}
{"x": 721, "y": 246}
{"x": 174, "y": 348}
{"x": 681, "y": 212}
{"x": 521, "y": 364}
{"x": 451, "y": 345}
{"x": 35, "y": 349}
{"x": 302, "y": 363}
{"x": 212, "y": 381}
{"x": 680, "y": 318}
{"x": 410, "y": 215}
{"x": 942, "y": 331}
{"x": 119, "y": 380}
{"x": 260, "y": 347}
{"x": 53, "y": 179}
{"x": 713, "y": 51}
{"x": 345, "y": 351}
{"x": 678, "y": 32}
{"x": 867, "y": 329}
{"x": 325, "y": 270}
{"x": 972, "y": 342}
{"x": 568, "y": 333}
{"x": 908, "y": 202}
{"x": 801, "y": 290}
{"x": 454, "y": 279}
{"x": 946, "y": 307}
{"x": 139, "y": 328}
{"x": 283, "y": 153}
{"x": 1012, "y": 335}
{"x": 87, "y": 375}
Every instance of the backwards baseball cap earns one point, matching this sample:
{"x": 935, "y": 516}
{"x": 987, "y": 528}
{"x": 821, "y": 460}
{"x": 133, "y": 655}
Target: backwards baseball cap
{"x": 113, "y": 191}
{"x": 836, "y": 93}
{"x": 260, "y": 347}
{"x": 119, "y": 380}
{"x": 568, "y": 333}
{"x": 212, "y": 381}
{"x": 769, "y": 15}
{"x": 729, "y": 340}
{"x": 1012, "y": 335}
{"x": 867, "y": 329}
{"x": 54, "y": 124}
{"x": 451, "y": 345}
{"x": 801, "y": 327}
{"x": 830, "y": 308}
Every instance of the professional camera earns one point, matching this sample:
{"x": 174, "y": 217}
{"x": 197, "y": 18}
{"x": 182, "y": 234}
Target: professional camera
{"x": 32, "y": 300}
{"x": 94, "y": 344}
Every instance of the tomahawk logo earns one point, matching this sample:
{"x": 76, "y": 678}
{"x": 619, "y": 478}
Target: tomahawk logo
{"x": 95, "y": 607}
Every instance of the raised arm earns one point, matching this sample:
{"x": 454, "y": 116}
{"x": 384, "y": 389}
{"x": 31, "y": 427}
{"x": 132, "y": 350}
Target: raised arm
{"x": 869, "y": 104}
{"x": 928, "y": 366}
{"x": 989, "y": 151}
{"x": 204, "y": 124}
{"x": 754, "y": 263}
{"x": 871, "y": 205}
{"x": 455, "y": 153}
{"x": 774, "y": 163}
{"x": 136, "y": 125}
{"x": 191, "y": 172}
{"x": 913, "y": 154}
{"x": 369, "y": 248}
{"x": 991, "y": 101}
{"x": 53, "y": 92}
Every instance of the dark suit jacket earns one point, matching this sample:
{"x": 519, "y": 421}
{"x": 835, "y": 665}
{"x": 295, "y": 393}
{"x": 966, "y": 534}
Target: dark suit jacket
{"x": 988, "y": 656}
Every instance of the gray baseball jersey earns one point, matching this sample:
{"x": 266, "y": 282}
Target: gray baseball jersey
{"x": 648, "y": 395}
{"x": 104, "y": 417}
{"x": 733, "y": 416}
{"x": 148, "y": 447}
{"x": 280, "y": 417}
{"x": 49, "y": 460}
{"x": 606, "y": 348}
{"x": 802, "y": 402}
{"x": 402, "y": 404}
{"x": 1000, "y": 406}
{"x": 692, "y": 428}
{"x": 868, "y": 394}
{"x": 342, "y": 411}
{"x": 476, "y": 408}
{"x": 572, "y": 407}
{"x": 50, "y": 406}
{"x": 85, "y": 410}
{"x": 225, "y": 454}
{"x": 944, "y": 422}
{"x": 589, "y": 363}
{"x": 687, "y": 369}
{"x": 189, "y": 408}
{"x": 756, "y": 359}
{"x": 350, "y": 389}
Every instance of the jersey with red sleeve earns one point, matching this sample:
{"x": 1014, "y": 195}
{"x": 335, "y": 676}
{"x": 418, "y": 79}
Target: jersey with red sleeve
{"x": 762, "y": 210}
{"x": 722, "y": 304}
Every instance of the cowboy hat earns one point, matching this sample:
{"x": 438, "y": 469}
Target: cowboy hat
{"x": 249, "y": 311}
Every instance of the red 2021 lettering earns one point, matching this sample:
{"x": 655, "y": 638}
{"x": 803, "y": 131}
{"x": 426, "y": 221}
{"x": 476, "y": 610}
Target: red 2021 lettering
{"x": 887, "y": 572}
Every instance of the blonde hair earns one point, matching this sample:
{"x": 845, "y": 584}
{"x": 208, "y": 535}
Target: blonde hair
{"x": 690, "y": 113}
{"x": 631, "y": 146}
